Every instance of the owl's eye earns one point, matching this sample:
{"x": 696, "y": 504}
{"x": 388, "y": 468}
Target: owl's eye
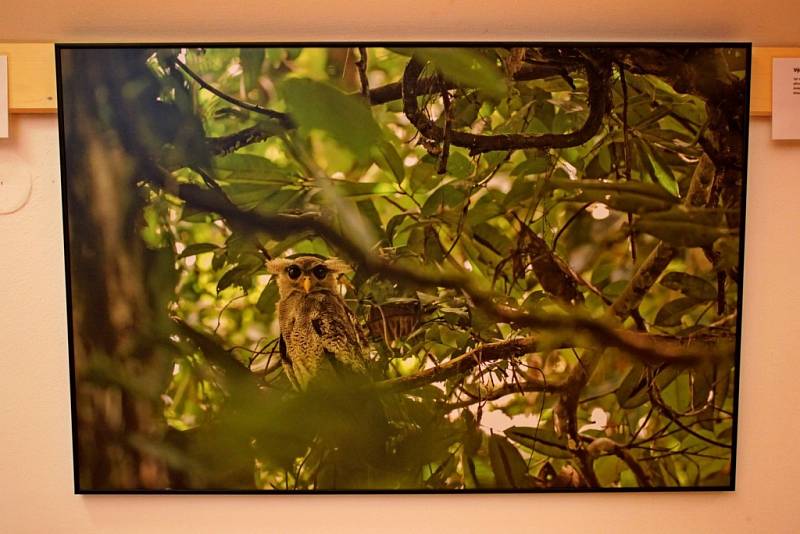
{"x": 294, "y": 272}
{"x": 320, "y": 271}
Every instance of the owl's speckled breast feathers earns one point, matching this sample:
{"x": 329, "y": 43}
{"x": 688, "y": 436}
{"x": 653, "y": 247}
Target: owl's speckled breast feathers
{"x": 317, "y": 336}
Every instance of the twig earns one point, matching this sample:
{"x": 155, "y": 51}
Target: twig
{"x": 282, "y": 118}
{"x": 529, "y": 386}
{"x": 657, "y": 401}
{"x": 569, "y": 221}
{"x": 624, "y": 84}
{"x": 448, "y": 124}
{"x": 362, "y": 72}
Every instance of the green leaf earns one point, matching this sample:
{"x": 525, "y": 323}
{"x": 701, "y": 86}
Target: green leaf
{"x": 521, "y": 190}
{"x": 464, "y": 112}
{"x": 197, "y": 248}
{"x": 387, "y": 158}
{"x": 346, "y": 118}
{"x": 543, "y": 441}
{"x": 346, "y": 188}
{"x": 459, "y": 165}
{"x": 278, "y": 200}
{"x": 246, "y": 163}
{"x": 486, "y": 208}
{"x": 237, "y": 276}
{"x": 433, "y": 248}
{"x": 691, "y": 286}
{"x": 465, "y": 66}
{"x": 369, "y": 213}
{"x": 510, "y": 470}
{"x": 268, "y": 298}
{"x": 629, "y": 393}
{"x": 633, "y": 391}
{"x": 600, "y": 165}
{"x": 671, "y": 313}
{"x": 531, "y": 166}
{"x": 251, "y": 60}
{"x": 447, "y": 196}
{"x": 663, "y": 173}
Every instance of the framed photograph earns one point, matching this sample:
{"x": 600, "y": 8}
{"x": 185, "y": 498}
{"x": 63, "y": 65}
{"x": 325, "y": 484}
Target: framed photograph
{"x": 404, "y": 267}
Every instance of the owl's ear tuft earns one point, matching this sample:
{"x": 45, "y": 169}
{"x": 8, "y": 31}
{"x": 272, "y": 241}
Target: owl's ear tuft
{"x": 278, "y": 265}
{"x": 338, "y": 266}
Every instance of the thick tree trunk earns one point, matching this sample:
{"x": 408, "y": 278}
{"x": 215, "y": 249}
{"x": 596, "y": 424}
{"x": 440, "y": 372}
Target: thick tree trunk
{"x": 119, "y": 371}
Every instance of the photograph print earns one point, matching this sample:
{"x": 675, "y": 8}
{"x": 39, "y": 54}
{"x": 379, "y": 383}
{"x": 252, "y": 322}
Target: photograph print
{"x": 403, "y": 267}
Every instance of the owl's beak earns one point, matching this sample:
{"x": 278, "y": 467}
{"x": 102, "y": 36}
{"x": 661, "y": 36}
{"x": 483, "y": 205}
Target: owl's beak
{"x": 307, "y": 284}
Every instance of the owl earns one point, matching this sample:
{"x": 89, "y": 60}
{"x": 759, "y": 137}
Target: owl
{"x": 317, "y": 336}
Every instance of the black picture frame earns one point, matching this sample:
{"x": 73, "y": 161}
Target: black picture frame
{"x": 73, "y": 241}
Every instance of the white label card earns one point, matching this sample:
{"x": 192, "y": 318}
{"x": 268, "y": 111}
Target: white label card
{"x": 786, "y": 98}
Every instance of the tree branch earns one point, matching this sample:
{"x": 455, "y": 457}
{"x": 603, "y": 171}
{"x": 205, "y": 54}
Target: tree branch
{"x": 597, "y": 77}
{"x": 529, "y": 386}
{"x": 500, "y": 350}
{"x": 603, "y": 333}
{"x": 361, "y": 64}
{"x": 220, "y": 146}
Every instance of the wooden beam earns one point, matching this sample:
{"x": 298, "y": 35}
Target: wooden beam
{"x": 32, "y": 77}
{"x": 761, "y": 78}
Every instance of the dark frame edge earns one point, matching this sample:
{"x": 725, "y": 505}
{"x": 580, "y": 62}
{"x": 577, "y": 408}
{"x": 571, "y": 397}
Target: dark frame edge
{"x": 67, "y": 270}
{"x": 78, "y": 490}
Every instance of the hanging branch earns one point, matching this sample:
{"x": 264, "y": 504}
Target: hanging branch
{"x": 282, "y": 118}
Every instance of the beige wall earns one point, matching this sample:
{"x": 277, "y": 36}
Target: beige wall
{"x": 35, "y": 447}
{"x": 765, "y": 22}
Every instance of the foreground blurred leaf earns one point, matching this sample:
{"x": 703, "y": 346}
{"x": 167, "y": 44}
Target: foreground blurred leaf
{"x": 316, "y": 105}
{"x": 251, "y": 59}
